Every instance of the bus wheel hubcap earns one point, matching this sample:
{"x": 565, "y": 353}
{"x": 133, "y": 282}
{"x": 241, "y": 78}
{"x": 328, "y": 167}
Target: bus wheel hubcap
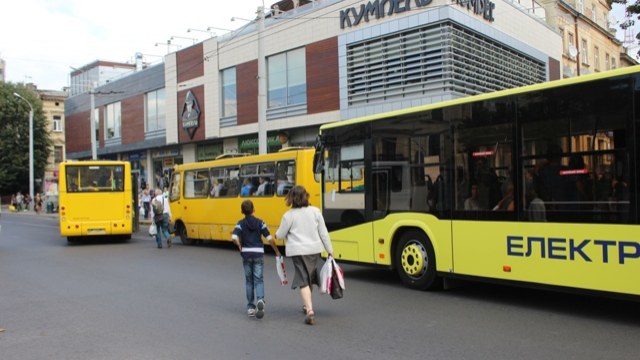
{"x": 414, "y": 259}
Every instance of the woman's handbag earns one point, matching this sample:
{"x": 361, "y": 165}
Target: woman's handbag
{"x": 172, "y": 228}
{"x": 153, "y": 229}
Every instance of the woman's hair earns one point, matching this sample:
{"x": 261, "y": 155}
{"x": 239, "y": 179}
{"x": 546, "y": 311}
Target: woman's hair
{"x": 297, "y": 197}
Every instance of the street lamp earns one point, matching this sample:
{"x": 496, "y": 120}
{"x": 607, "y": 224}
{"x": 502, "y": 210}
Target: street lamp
{"x": 30, "y": 148}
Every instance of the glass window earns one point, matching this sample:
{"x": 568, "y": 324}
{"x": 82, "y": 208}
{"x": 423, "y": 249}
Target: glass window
{"x": 57, "y": 123}
{"x": 226, "y": 180}
{"x": 102, "y": 178}
{"x": 285, "y": 176}
{"x": 408, "y": 168}
{"x": 257, "y": 179}
{"x": 286, "y": 74}
{"x": 58, "y": 154}
{"x": 175, "y": 187}
{"x": 155, "y": 110}
{"x": 575, "y": 160}
{"x": 113, "y": 120}
{"x": 229, "y": 93}
{"x": 485, "y": 184}
{"x": 196, "y": 183}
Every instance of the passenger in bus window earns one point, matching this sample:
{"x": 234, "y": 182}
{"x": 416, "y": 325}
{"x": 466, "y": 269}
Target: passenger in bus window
{"x": 507, "y": 201}
{"x": 217, "y": 188}
{"x": 247, "y": 187}
{"x": 264, "y": 187}
{"x": 535, "y": 206}
{"x": 472, "y": 203}
{"x": 488, "y": 185}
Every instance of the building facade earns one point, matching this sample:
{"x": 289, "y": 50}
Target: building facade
{"x": 589, "y": 42}
{"x": 306, "y": 64}
{"x": 53, "y": 109}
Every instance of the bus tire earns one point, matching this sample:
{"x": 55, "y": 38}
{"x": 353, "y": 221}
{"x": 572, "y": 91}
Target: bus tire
{"x": 415, "y": 261}
{"x": 181, "y": 230}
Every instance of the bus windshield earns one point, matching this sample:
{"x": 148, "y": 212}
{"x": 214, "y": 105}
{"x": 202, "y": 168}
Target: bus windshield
{"x": 102, "y": 178}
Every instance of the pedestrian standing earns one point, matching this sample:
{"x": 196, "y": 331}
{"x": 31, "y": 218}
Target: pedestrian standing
{"x": 306, "y": 236}
{"x": 162, "y": 218}
{"x": 247, "y": 237}
{"x": 146, "y": 201}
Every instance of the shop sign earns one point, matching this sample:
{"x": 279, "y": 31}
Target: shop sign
{"x": 190, "y": 114}
{"x": 246, "y": 143}
{"x": 165, "y": 152}
{"x": 208, "y": 151}
{"x": 378, "y": 9}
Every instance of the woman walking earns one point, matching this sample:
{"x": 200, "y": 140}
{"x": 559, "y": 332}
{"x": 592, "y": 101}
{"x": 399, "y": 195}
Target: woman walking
{"x": 306, "y": 237}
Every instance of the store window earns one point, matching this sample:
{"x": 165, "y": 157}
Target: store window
{"x": 286, "y": 74}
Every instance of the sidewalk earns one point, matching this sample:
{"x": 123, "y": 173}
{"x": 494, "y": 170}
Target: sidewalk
{"x": 5, "y": 210}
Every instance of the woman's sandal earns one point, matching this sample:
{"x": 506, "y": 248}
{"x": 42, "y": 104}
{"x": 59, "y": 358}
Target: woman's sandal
{"x": 310, "y": 319}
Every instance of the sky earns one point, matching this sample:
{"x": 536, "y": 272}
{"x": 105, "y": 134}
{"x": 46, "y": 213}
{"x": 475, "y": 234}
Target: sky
{"x": 42, "y": 40}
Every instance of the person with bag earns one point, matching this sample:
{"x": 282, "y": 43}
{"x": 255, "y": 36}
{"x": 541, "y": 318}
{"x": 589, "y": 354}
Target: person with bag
{"x": 247, "y": 237}
{"x": 162, "y": 218}
{"x": 306, "y": 236}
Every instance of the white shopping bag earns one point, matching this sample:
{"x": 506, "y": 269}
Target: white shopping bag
{"x": 282, "y": 273}
{"x": 153, "y": 230}
{"x": 325, "y": 276}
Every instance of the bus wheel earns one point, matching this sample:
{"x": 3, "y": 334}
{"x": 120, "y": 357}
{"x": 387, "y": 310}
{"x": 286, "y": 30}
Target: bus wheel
{"x": 415, "y": 261}
{"x": 182, "y": 232}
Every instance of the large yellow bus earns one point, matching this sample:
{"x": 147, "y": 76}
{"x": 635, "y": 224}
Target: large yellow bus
{"x": 96, "y": 199}
{"x": 205, "y": 197}
{"x": 533, "y": 186}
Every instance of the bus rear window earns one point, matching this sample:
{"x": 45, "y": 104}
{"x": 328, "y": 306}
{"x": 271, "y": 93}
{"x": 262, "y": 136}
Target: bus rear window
{"x": 104, "y": 178}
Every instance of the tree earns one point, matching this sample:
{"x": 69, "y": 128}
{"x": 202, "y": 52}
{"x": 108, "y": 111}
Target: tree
{"x": 14, "y": 139}
{"x": 631, "y": 9}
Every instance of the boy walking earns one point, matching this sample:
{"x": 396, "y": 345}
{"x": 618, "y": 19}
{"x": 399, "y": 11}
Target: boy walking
{"x": 247, "y": 237}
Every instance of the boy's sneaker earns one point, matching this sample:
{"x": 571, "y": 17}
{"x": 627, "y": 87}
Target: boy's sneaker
{"x": 260, "y": 311}
{"x": 251, "y": 312}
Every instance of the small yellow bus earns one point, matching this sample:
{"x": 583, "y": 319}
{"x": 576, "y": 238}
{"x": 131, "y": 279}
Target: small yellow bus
{"x": 96, "y": 199}
{"x": 206, "y": 196}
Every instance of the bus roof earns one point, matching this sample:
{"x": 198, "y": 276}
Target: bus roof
{"x": 488, "y": 96}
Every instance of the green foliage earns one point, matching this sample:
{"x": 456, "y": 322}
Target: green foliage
{"x": 14, "y": 139}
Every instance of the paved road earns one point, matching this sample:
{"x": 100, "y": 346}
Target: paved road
{"x": 129, "y": 300}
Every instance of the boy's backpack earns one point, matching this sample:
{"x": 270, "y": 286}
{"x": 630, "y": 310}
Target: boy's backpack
{"x": 158, "y": 207}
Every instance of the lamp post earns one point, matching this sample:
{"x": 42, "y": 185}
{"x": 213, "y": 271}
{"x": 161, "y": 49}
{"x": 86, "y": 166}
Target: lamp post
{"x": 30, "y": 148}
{"x": 262, "y": 85}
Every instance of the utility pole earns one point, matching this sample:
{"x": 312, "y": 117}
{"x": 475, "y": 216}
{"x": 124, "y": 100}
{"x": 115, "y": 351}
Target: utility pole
{"x": 262, "y": 85}
{"x": 30, "y": 149}
{"x": 92, "y": 117}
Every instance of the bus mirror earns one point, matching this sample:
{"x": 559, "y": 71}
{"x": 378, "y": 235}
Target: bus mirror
{"x": 318, "y": 156}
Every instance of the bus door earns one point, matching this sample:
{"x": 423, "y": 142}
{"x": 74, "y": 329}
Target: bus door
{"x": 344, "y": 202}
{"x": 134, "y": 201}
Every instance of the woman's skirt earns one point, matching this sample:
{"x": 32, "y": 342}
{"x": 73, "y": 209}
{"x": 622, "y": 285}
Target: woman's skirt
{"x": 306, "y": 270}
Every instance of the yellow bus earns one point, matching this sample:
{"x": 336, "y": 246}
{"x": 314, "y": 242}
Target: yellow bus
{"x": 533, "y": 186}
{"x": 96, "y": 199}
{"x": 205, "y": 197}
